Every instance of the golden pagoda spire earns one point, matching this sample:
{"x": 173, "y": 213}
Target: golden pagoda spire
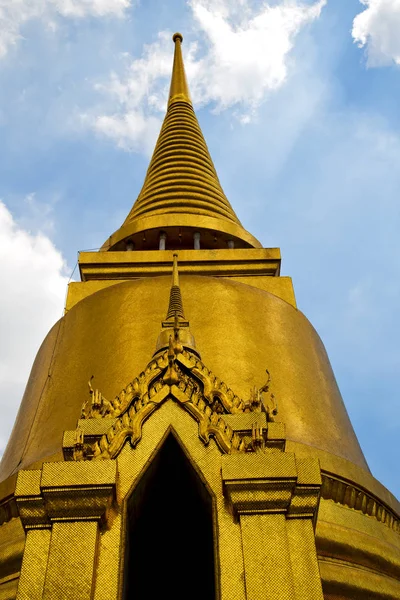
{"x": 181, "y": 187}
{"x": 181, "y": 176}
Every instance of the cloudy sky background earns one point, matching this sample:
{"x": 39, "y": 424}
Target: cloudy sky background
{"x": 305, "y": 95}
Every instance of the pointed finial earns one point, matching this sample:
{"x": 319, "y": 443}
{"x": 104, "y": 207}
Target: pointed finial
{"x": 175, "y": 308}
{"x": 175, "y": 333}
{"x": 175, "y": 272}
{"x": 179, "y": 90}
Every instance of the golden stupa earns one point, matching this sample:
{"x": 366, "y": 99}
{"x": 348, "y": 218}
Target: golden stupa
{"x": 182, "y": 434}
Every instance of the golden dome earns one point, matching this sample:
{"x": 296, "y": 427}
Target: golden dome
{"x": 112, "y": 334}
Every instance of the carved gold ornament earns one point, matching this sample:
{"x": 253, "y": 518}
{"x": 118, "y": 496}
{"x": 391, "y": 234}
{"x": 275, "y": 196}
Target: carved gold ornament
{"x": 179, "y": 375}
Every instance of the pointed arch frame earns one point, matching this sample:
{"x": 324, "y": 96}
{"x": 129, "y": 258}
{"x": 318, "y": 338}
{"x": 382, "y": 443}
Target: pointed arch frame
{"x": 170, "y": 430}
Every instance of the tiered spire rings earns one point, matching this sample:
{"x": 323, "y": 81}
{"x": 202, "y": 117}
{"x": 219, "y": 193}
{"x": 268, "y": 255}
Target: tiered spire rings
{"x": 181, "y": 187}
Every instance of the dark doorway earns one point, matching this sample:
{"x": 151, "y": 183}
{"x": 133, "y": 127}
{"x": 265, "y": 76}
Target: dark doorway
{"x": 170, "y": 552}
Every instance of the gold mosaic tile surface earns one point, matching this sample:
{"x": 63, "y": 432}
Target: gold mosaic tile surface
{"x": 71, "y": 561}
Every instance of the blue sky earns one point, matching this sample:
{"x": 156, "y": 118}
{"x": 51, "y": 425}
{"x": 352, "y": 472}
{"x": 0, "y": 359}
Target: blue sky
{"x": 304, "y": 96}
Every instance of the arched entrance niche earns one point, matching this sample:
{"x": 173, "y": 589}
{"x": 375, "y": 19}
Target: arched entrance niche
{"x": 169, "y": 541}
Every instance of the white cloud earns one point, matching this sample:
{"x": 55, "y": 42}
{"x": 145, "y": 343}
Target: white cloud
{"x": 247, "y": 56}
{"x": 136, "y": 98}
{"x": 14, "y": 14}
{"x": 38, "y": 215}
{"x": 131, "y": 131}
{"x": 377, "y": 29}
{"x": 249, "y": 49}
{"x": 87, "y": 8}
{"x": 32, "y": 271}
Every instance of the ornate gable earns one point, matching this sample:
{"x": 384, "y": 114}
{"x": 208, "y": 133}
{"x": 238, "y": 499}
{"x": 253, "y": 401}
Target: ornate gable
{"x": 176, "y": 372}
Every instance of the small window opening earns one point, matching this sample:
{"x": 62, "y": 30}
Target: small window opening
{"x": 170, "y": 550}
